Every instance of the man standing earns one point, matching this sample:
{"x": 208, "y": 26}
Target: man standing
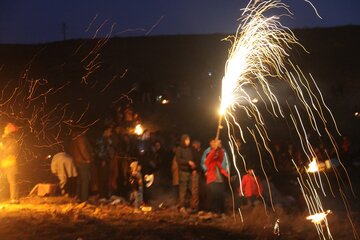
{"x": 9, "y": 153}
{"x": 186, "y": 165}
{"x": 80, "y": 150}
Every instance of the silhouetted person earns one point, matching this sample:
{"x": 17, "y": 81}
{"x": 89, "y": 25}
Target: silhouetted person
{"x": 186, "y": 165}
{"x": 81, "y": 152}
{"x": 9, "y": 155}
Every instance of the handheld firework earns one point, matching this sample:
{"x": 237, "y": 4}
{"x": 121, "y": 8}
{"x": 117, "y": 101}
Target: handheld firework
{"x": 259, "y": 55}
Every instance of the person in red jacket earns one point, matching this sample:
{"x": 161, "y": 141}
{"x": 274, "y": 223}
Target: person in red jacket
{"x": 251, "y": 187}
{"x": 216, "y": 172}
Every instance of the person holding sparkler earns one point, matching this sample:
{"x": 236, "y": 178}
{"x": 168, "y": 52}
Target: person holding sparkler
{"x": 9, "y": 153}
{"x": 216, "y": 168}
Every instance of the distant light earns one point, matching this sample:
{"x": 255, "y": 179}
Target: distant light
{"x": 357, "y": 114}
{"x": 159, "y": 98}
{"x": 254, "y": 100}
{"x": 48, "y": 156}
{"x": 209, "y": 74}
{"x": 164, "y": 101}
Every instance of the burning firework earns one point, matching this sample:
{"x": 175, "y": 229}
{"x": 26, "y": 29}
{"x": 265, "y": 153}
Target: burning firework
{"x": 259, "y": 57}
{"x": 318, "y": 217}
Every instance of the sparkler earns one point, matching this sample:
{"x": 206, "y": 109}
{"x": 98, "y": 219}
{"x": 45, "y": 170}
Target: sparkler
{"x": 258, "y": 59}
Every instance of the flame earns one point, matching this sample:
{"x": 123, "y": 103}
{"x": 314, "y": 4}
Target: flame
{"x": 138, "y": 130}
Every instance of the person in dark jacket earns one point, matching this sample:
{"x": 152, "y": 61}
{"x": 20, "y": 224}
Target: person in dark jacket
{"x": 104, "y": 155}
{"x": 81, "y": 152}
{"x": 197, "y": 176}
{"x": 186, "y": 166}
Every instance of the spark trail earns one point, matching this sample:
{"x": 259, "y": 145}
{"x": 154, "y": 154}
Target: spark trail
{"x": 259, "y": 58}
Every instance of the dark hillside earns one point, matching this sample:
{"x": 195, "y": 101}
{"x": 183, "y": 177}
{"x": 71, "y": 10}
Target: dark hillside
{"x": 189, "y": 67}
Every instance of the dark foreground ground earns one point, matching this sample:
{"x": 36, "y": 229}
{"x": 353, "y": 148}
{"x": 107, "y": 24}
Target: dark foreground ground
{"x": 61, "y": 218}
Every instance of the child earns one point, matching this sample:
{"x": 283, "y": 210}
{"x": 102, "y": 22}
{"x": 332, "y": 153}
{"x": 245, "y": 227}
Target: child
{"x": 136, "y": 184}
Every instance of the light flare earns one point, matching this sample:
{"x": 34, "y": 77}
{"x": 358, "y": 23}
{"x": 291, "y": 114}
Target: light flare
{"x": 138, "y": 130}
{"x": 313, "y": 166}
{"x": 318, "y": 217}
{"x": 258, "y": 62}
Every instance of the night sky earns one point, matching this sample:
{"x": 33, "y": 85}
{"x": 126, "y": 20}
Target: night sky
{"x": 37, "y": 21}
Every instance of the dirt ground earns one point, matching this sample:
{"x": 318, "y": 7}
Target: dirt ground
{"x": 63, "y": 218}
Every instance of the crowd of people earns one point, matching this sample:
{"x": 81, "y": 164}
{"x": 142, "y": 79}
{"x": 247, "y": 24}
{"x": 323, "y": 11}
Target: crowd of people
{"x": 138, "y": 165}
{"x": 143, "y": 166}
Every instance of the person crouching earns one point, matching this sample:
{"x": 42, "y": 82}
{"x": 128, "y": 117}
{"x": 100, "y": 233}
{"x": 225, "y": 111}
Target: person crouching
{"x": 62, "y": 165}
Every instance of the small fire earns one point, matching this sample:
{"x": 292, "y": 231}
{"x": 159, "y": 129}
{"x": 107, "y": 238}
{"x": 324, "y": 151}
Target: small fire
{"x": 313, "y": 166}
{"x": 318, "y": 217}
{"x": 138, "y": 130}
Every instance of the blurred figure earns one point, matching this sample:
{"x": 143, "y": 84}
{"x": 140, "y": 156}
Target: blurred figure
{"x": 163, "y": 165}
{"x": 251, "y": 187}
{"x": 197, "y": 176}
{"x": 9, "y": 153}
{"x": 345, "y": 151}
{"x": 128, "y": 117}
{"x": 186, "y": 166}
{"x": 216, "y": 168}
{"x": 62, "y": 165}
{"x": 104, "y": 155}
{"x": 136, "y": 183}
{"x": 175, "y": 172}
{"x": 81, "y": 152}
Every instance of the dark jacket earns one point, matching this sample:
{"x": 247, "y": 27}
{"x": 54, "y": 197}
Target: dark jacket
{"x": 184, "y": 155}
{"x": 80, "y": 150}
{"x": 197, "y": 154}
